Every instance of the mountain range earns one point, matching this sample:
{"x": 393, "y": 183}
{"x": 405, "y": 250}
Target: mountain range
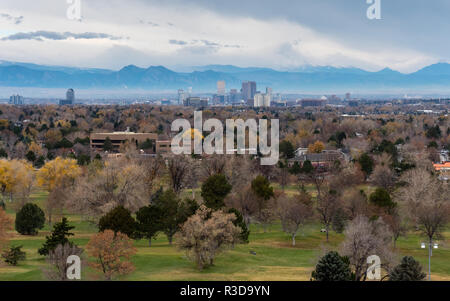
{"x": 204, "y": 78}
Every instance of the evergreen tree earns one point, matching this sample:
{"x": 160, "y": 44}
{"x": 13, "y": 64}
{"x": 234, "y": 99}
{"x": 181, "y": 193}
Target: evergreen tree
{"x": 59, "y": 236}
{"x": 381, "y": 198}
{"x": 366, "y": 163}
{"x": 29, "y": 219}
{"x": 332, "y": 267}
{"x": 13, "y": 255}
{"x": 307, "y": 167}
{"x": 214, "y": 191}
{"x": 107, "y": 145}
{"x": 120, "y": 220}
{"x": 408, "y": 270}
{"x": 239, "y": 222}
{"x": 149, "y": 222}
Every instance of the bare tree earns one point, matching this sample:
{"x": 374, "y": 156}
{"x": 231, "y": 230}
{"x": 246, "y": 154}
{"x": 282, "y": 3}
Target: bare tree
{"x": 178, "y": 168}
{"x": 118, "y": 183}
{"x": 293, "y": 213}
{"x": 244, "y": 201}
{"x": 354, "y": 202}
{"x": 327, "y": 206}
{"x": 363, "y": 239}
{"x": 383, "y": 176}
{"x": 427, "y": 200}
{"x": 397, "y": 225}
{"x": 57, "y": 261}
{"x": 213, "y": 165}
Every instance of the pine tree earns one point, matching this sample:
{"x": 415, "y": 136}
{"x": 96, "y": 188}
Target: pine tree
{"x": 408, "y": 270}
{"x": 239, "y": 222}
{"x": 59, "y": 236}
{"x": 332, "y": 267}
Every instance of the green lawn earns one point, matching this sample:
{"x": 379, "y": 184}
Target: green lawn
{"x": 275, "y": 258}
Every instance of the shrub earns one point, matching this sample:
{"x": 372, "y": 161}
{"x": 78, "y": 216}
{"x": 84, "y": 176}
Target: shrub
{"x": 408, "y": 270}
{"x": 29, "y": 219}
{"x": 332, "y": 267}
{"x": 13, "y": 255}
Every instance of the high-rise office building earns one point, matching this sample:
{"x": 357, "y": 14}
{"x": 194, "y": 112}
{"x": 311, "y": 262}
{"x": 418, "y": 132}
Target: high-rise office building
{"x": 16, "y": 100}
{"x": 221, "y": 87}
{"x": 234, "y": 96}
{"x": 70, "y": 98}
{"x": 181, "y": 97}
{"x": 262, "y": 100}
{"x": 248, "y": 90}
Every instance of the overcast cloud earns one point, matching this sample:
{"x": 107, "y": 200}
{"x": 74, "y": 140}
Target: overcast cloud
{"x": 281, "y": 34}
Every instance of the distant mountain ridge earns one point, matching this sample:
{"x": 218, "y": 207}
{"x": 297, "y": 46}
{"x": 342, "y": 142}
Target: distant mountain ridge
{"x": 204, "y": 78}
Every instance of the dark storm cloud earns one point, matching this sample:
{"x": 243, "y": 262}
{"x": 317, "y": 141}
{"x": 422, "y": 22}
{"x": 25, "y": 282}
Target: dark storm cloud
{"x": 57, "y": 36}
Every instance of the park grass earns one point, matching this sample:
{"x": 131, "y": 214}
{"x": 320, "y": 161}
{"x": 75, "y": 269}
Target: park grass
{"x": 275, "y": 260}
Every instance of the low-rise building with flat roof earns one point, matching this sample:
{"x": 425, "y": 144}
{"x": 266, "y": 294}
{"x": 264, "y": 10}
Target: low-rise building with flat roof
{"x": 118, "y": 138}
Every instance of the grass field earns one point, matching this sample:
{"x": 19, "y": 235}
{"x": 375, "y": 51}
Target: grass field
{"x": 275, "y": 258}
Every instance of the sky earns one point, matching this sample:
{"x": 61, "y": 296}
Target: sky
{"x": 279, "y": 34}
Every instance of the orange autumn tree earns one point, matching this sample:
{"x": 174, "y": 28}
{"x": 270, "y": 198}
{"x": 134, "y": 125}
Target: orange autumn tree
{"x": 316, "y": 148}
{"x": 112, "y": 253}
{"x": 5, "y": 225}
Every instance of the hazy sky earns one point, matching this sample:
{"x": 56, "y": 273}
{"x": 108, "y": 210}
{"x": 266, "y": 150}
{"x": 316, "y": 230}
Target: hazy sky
{"x": 281, "y": 34}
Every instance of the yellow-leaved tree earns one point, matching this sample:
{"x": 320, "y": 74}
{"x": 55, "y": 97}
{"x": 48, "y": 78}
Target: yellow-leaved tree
{"x": 316, "y": 148}
{"x": 56, "y": 177}
{"x": 16, "y": 180}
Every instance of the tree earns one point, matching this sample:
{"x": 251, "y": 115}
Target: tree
{"x": 149, "y": 222}
{"x": 427, "y": 200}
{"x": 366, "y": 163}
{"x": 178, "y": 171}
{"x": 112, "y": 253}
{"x": 16, "y": 179}
{"x": 327, "y": 206}
{"x": 316, "y": 148}
{"x": 381, "y": 198}
{"x": 56, "y": 176}
{"x": 119, "y": 219}
{"x": 118, "y": 182}
{"x": 31, "y": 156}
{"x": 107, "y": 145}
{"x": 13, "y": 255}
{"x": 307, "y": 167}
{"x": 57, "y": 261}
{"x": 214, "y": 191}
{"x": 287, "y": 150}
{"x": 396, "y": 224}
{"x": 29, "y": 219}
{"x": 408, "y": 270}
{"x": 174, "y": 212}
{"x": 3, "y": 153}
{"x": 332, "y": 267}
{"x": 364, "y": 238}
{"x": 262, "y": 189}
{"x": 294, "y": 212}
{"x": 58, "y": 173}
{"x": 383, "y": 176}
{"x": 239, "y": 222}
{"x": 5, "y": 225}
{"x": 205, "y": 234}
{"x": 58, "y": 237}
